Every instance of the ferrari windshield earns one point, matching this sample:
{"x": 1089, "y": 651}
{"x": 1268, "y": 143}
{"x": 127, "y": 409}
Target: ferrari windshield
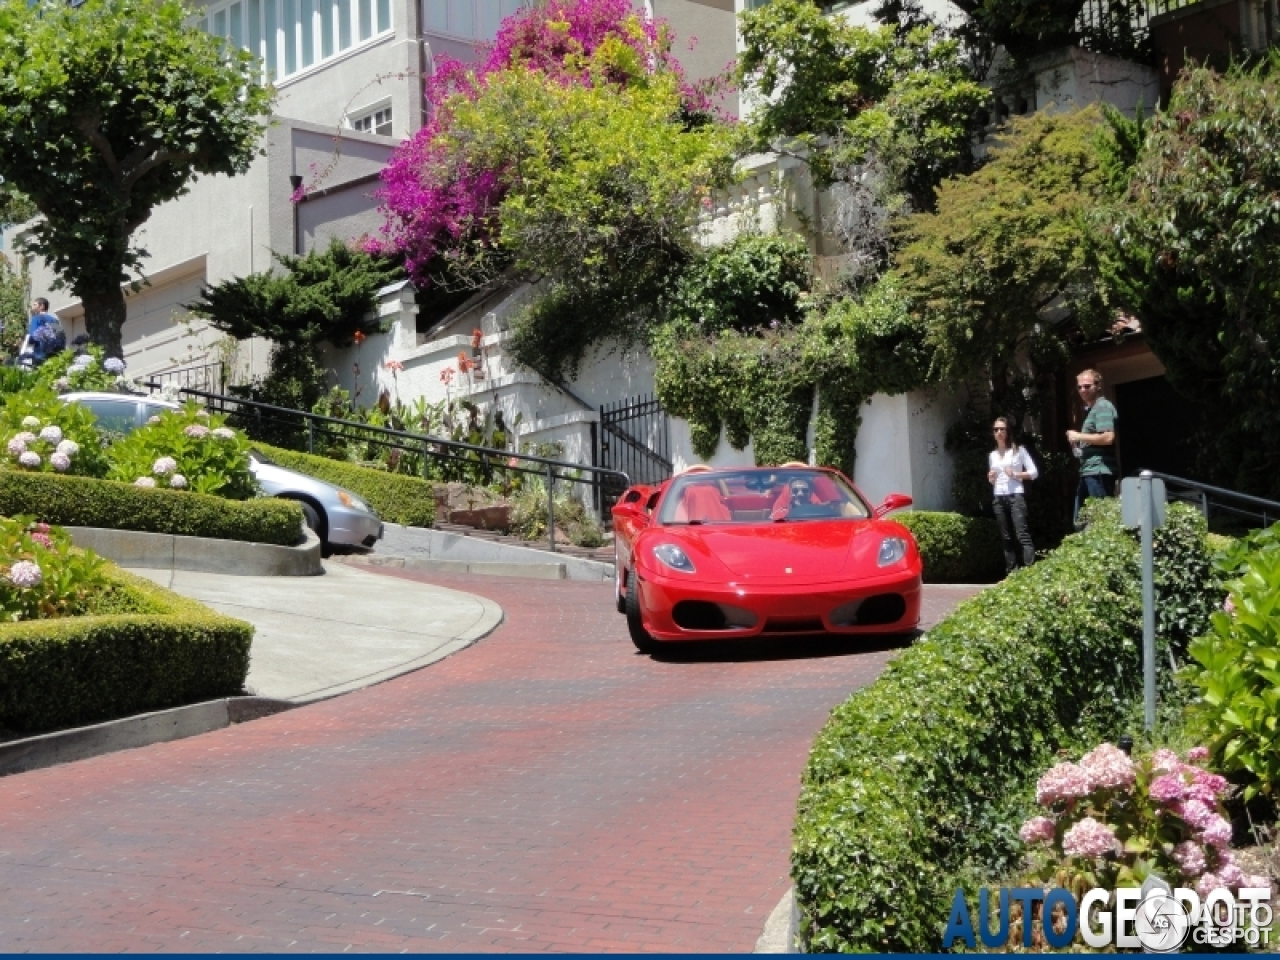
{"x": 760, "y": 496}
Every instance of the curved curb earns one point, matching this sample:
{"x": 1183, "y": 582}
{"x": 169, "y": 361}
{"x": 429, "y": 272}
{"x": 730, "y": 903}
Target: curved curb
{"x": 780, "y": 929}
{"x": 167, "y": 551}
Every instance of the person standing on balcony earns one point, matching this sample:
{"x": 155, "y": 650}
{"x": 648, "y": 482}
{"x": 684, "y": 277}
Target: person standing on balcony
{"x": 1094, "y": 444}
{"x": 1009, "y": 466}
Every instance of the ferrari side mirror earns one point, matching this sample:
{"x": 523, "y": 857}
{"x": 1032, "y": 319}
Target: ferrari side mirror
{"x": 894, "y": 501}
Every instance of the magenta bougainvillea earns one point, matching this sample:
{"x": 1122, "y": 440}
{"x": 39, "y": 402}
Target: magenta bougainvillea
{"x": 435, "y": 211}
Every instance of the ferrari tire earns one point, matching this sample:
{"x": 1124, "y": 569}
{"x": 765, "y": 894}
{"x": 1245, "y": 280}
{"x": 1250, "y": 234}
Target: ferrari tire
{"x": 619, "y": 595}
{"x": 639, "y": 635}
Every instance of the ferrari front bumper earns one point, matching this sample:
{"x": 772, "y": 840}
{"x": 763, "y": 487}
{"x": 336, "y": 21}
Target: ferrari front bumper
{"x": 676, "y": 608}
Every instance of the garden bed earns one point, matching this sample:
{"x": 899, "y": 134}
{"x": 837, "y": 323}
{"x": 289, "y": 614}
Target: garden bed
{"x": 141, "y": 648}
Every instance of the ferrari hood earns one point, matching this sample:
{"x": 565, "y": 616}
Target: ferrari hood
{"x": 813, "y": 549}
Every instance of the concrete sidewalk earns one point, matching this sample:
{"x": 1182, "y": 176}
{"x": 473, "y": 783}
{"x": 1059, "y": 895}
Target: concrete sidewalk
{"x": 315, "y": 637}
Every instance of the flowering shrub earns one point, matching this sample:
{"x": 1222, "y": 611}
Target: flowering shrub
{"x": 69, "y": 372}
{"x": 1113, "y": 822}
{"x": 41, "y": 433}
{"x": 185, "y": 450}
{"x": 1240, "y": 696}
{"x": 41, "y": 577}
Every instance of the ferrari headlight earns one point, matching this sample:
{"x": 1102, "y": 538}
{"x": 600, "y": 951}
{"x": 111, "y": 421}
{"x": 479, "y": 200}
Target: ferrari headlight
{"x": 670, "y": 555}
{"x": 892, "y": 549}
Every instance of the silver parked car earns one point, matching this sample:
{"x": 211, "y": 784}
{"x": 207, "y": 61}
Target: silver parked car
{"x": 338, "y": 516}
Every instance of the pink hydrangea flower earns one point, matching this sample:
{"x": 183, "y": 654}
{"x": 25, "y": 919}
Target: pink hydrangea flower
{"x": 51, "y": 434}
{"x": 1066, "y": 781}
{"x": 16, "y": 447}
{"x": 60, "y": 462}
{"x": 29, "y": 458}
{"x": 1166, "y": 760}
{"x": 1230, "y": 874}
{"x": 1190, "y": 858}
{"x": 1089, "y": 839}
{"x": 1254, "y": 880}
{"x": 145, "y": 482}
{"x": 1217, "y": 832}
{"x": 68, "y": 448}
{"x": 1168, "y": 788}
{"x": 1197, "y": 755}
{"x": 224, "y": 433}
{"x": 43, "y": 539}
{"x": 196, "y": 431}
{"x": 25, "y": 574}
{"x": 1215, "y": 785}
{"x": 1108, "y": 767}
{"x": 1208, "y": 883}
{"x": 164, "y": 466}
{"x": 1195, "y": 813}
{"x": 31, "y": 423}
{"x": 1229, "y": 607}
{"x": 26, "y": 436}
{"x": 1037, "y": 830}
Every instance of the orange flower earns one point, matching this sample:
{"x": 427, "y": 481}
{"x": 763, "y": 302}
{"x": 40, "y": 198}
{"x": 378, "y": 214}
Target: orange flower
{"x": 395, "y": 366}
{"x": 464, "y": 362}
{"x": 360, "y": 337}
{"x": 446, "y": 375}
{"x": 476, "y": 336}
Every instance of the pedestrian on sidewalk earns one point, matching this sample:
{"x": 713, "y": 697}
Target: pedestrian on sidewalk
{"x": 1009, "y": 468}
{"x": 1094, "y": 444}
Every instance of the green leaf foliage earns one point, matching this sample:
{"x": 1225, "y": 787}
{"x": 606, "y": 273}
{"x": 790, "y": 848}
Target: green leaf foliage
{"x": 108, "y": 109}
{"x": 1194, "y": 252}
{"x": 918, "y": 782}
{"x": 85, "y": 502}
{"x": 207, "y": 456}
{"x": 33, "y": 410}
{"x": 13, "y": 307}
{"x": 395, "y": 497}
{"x": 1238, "y": 673}
{"x": 1007, "y": 253}
{"x": 904, "y": 98}
{"x": 71, "y": 581}
{"x": 954, "y": 548}
{"x": 156, "y": 650}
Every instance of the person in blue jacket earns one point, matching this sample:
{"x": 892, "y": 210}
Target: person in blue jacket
{"x": 45, "y": 331}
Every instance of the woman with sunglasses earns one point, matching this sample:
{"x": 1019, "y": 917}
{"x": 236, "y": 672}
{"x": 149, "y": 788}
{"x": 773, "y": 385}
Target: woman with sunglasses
{"x": 1008, "y": 465}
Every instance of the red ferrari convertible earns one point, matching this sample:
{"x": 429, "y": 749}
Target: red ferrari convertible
{"x": 714, "y": 554}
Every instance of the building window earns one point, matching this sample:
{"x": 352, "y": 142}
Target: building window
{"x": 469, "y": 19}
{"x": 294, "y": 35}
{"x": 375, "y": 121}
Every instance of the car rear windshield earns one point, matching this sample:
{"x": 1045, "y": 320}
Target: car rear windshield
{"x": 761, "y": 496}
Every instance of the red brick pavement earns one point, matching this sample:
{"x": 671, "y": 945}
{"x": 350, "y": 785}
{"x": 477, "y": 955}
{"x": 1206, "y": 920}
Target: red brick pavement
{"x": 547, "y": 789}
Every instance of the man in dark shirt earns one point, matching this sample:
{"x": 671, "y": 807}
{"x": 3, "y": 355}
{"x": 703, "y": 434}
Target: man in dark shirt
{"x": 1095, "y": 442}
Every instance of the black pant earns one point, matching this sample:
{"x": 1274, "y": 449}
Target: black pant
{"x": 1011, "y": 515}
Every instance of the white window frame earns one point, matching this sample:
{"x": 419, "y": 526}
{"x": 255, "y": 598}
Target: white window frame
{"x": 368, "y": 112}
{"x": 476, "y": 7}
{"x": 294, "y": 43}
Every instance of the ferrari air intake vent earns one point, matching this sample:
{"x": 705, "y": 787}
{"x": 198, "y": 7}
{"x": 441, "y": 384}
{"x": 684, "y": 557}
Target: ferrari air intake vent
{"x": 702, "y": 615}
{"x": 873, "y": 611}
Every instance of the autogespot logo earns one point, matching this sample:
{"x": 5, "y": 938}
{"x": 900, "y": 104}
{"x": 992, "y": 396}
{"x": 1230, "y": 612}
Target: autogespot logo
{"x": 1160, "y": 921}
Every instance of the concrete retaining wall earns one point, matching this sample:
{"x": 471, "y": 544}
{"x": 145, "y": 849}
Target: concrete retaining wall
{"x": 450, "y": 552}
{"x": 164, "y": 551}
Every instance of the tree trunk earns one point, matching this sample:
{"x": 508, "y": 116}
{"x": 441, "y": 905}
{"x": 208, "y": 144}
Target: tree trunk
{"x": 104, "y": 315}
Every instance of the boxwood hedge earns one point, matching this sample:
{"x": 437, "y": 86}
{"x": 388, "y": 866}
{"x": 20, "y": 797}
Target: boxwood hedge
{"x": 954, "y": 548}
{"x": 85, "y": 502}
{"x": 396, "y": 497}
{"x": 918, "y": 782}
{"x": 147, "y": 649}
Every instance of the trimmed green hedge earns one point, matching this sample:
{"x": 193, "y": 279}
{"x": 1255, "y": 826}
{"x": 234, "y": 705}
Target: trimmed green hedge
{"x": 84, "y": 502}
{"x": 917, "y": 784}
{"x": 395, "y": 497}
{"x": 954, "y": 548}
{"x": 154, "y": 650}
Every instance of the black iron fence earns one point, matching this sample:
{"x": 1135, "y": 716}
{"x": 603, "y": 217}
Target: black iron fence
{"x": 634, "y": 439}
{"x": 438, "y": 456}
{"x": 205, "y": 376}
{"x": 1220, "y": 502}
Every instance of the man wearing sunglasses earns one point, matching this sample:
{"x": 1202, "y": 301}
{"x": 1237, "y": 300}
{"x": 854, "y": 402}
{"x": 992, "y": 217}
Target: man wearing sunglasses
{"x": 1095, "y": 442}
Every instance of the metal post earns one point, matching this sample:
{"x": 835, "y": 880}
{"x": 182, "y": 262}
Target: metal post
{"x": 311, "y": 435}
{"x": 426, "y": 456}
{"x": 1147, "y": 505}
{"x": 551, "y": 509}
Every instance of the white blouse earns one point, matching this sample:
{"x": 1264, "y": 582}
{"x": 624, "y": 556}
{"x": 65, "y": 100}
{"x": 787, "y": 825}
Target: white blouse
{"x": 1020, "y": 461}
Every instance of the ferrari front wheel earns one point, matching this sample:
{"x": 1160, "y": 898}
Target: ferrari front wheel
{"x": 639, "y": 635}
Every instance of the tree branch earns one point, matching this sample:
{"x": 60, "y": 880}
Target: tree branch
{"x": 87, "y": 125}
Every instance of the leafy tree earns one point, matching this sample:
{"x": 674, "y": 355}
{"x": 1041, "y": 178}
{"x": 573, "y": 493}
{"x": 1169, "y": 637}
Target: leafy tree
{"x": 108, "y": 109}
{"x": 1007, "y": 262}
{"x": 901, "y": 97}
{"x": 326, "y": 296}
{"x": 13, "y": 308}
{"x": 1194, "y": 253}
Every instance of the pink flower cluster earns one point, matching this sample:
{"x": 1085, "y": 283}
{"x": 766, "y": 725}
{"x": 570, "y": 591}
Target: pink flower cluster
{"x": 1089, "y": 839}
{"x": 431, "y": 206}
{"x": 1109, "y": 767}
{"x": 1066, "y": 781}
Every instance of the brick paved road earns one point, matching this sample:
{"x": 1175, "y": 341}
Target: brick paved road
{"x": 548, "y": 789}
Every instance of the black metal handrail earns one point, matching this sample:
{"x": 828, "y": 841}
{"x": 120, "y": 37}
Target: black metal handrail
{"x": 1211, "y": 498}
{"x": 431, "y": 448}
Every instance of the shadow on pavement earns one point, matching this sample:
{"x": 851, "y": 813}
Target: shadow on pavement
{"x": 794, "y": 647}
